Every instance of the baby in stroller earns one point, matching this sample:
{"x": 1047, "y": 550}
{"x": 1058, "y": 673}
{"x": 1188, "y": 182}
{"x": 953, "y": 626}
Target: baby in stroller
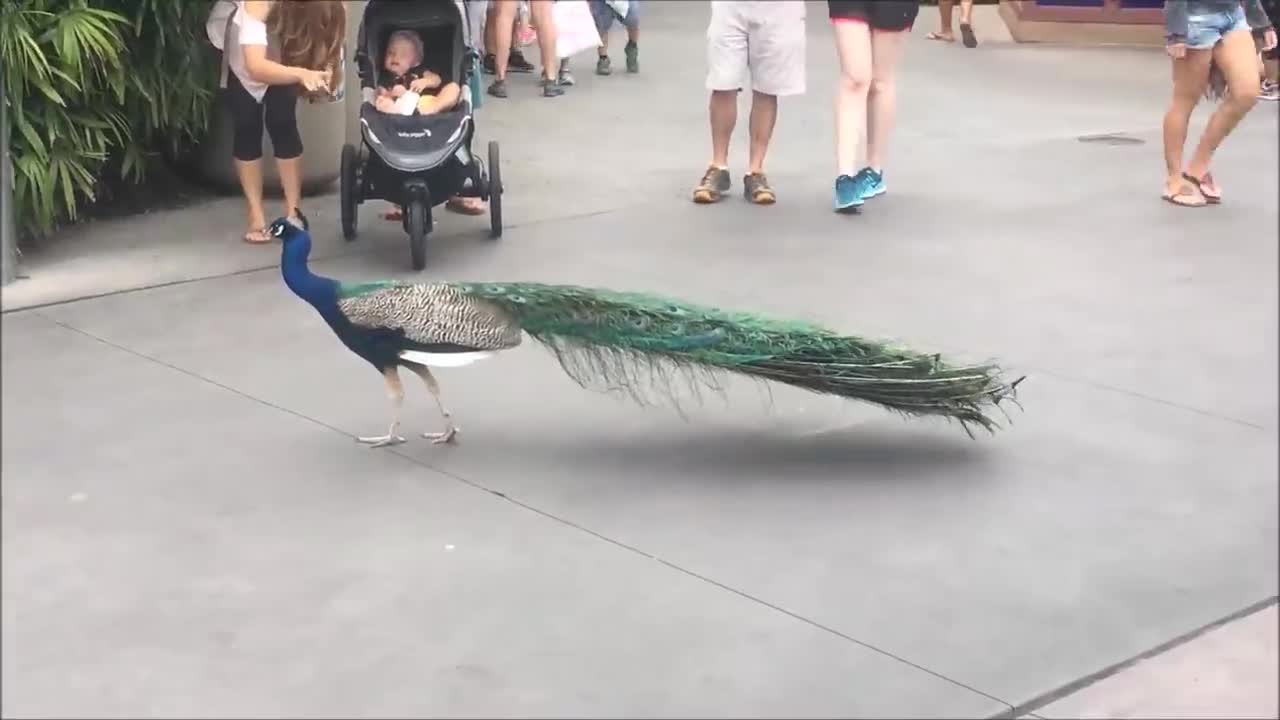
{"x": 405, "y": 82}
{"x": 405, "y": 86}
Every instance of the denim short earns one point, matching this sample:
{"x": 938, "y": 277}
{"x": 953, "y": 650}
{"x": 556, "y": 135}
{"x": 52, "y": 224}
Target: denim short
{"x": 605, "y": 15}
{"x": 1205, "y": 31}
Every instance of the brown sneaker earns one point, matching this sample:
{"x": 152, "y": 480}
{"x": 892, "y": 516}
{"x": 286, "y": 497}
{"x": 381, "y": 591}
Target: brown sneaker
{"x": 713, "y": 186}
{"x": 756, "y": 188}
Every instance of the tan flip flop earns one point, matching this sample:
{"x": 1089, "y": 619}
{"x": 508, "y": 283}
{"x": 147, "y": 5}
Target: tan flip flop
{"x": 460, "y": 205}
{"x": 257, "y": 236}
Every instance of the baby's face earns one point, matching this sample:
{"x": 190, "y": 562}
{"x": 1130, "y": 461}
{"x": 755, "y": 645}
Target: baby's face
{"x": 401, "y": 56}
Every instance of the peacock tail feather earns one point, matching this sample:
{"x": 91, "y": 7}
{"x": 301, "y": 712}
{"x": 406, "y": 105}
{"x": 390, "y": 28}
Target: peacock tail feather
{"x": 632, "y": 342}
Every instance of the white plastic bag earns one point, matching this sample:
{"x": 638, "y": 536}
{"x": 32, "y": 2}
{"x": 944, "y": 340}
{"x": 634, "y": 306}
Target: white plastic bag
{"x": 575, "y": 28}
{"x": 620, "y": 7}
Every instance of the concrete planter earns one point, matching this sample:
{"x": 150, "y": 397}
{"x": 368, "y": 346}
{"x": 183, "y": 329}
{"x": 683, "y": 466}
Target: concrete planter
{"x": 324, "y": 128}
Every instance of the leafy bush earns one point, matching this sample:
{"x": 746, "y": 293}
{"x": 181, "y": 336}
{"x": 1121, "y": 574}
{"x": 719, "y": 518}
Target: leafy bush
{"x": 99, "y": 91}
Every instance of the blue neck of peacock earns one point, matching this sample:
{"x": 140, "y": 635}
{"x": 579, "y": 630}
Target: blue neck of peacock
{"x": 319, "y": 291}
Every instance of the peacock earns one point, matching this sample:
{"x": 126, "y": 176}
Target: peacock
{"x": 617, "y": 341}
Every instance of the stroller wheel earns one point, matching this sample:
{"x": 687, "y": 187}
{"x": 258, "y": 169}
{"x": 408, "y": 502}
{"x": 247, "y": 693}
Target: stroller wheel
{"x": 348, "y": 190}
{"x": 416, "y": 223}
{"x": 495, "y": 191}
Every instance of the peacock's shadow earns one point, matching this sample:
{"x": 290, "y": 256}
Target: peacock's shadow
{"x": 861, "y": 451}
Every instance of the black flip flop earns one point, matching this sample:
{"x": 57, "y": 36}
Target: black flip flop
{"x": 966, "y": 33}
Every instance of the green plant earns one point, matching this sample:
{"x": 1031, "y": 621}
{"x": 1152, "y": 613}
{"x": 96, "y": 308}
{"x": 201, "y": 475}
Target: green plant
{"x": 171, "y": 81}
{"x": 98, "y": 91}
{"x": 61, "y": 61}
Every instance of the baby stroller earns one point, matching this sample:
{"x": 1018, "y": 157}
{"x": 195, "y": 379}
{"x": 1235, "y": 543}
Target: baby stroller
{"x": 418, "y": 161}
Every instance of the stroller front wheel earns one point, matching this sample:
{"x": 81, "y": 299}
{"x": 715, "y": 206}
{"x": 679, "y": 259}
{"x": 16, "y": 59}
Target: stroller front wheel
{"x": 495, "y": 191}
{"x": 416, "y": 223}
{"x": 348, "y": 190}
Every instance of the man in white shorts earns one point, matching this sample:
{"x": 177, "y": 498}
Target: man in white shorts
{"x": 765, "y": 40}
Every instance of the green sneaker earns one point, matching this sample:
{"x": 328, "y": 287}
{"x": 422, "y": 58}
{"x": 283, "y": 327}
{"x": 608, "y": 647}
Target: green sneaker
{"x": 633, "y": 57}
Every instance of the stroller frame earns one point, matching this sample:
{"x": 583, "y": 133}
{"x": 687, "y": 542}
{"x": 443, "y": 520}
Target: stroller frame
{"x": 418, "y": 162}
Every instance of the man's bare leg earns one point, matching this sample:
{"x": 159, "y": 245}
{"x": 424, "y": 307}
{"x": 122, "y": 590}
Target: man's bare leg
{"x": 723, "y": 110}
{"x": 764, "y": 116}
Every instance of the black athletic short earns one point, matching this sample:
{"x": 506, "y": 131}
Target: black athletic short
{"x": 886, "y": 15}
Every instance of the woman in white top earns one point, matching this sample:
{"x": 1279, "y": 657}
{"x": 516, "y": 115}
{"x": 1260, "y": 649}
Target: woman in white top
{"x": 263, "y": 87}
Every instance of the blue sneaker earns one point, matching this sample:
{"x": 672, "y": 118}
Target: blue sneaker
{"x": 847, "y": 196}
{"x": 870, "y": 183}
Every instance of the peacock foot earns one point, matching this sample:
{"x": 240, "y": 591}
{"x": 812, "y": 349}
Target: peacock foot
{"x": 448, "y": 436}
{"x": 381, "y": 440}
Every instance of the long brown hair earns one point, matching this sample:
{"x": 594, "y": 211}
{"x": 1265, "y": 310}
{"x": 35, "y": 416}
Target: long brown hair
{"x": 311, "y": 34}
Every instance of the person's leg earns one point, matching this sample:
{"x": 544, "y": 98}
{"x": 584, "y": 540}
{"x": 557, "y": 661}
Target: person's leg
{"x": 1190, "y": 76}
{"x": 1235, "y": 55}
{"x": 490, "y": 33}
{"x": 504, "y": 14}
{"x": 516, "y": 61}
{"x": 775, "y": 50}
{"x": 966, "y": 24}
{"x": 886, "y": 50}
{"x": 1270, "y": 75}
{"x": 603, "y": 16}
{"x": 632, "y": 49}
{"x": 764, "y": 116}
{"x": 544, "y": 23}
{"x": 723, "y": 111}
{"x": 246, "y": 151}
{"x": 280, "y": 106}
{"x": 945, "y": 10}
{"x": 726, "y": 68}
{"x": 853, "y": 49}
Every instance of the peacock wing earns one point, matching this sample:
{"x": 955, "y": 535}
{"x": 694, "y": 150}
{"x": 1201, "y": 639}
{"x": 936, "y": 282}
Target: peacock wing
{"x": 430, "y": 315}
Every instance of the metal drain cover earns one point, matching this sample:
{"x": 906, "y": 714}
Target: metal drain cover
{"x": 1111, "y": 139}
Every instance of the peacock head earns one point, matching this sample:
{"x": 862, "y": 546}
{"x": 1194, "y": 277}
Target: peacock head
{"x": 292, "y": 231}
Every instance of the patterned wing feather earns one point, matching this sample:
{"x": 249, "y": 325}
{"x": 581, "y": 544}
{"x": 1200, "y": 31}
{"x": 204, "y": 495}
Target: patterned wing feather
{"x": 431, "y": 314}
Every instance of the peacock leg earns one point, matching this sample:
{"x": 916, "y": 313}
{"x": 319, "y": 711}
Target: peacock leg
{"x": 450, "y": 430}
{"x": 395, "y": 392}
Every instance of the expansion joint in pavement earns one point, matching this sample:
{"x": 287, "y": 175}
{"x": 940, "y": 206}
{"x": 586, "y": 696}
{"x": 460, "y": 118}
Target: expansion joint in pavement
{"x": 1028, "y": 707}
{"x": 531, "y": 508}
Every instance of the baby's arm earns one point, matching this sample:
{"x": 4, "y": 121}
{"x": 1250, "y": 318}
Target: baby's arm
{"x": 446, "y": 99}
{"x": 428, "y": 81}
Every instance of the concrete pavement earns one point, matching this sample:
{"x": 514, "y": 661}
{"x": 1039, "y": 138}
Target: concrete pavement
{"x": 189, "y": 528}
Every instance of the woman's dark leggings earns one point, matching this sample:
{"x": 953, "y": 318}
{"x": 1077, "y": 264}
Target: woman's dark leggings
{"x": 279, "y": 108}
